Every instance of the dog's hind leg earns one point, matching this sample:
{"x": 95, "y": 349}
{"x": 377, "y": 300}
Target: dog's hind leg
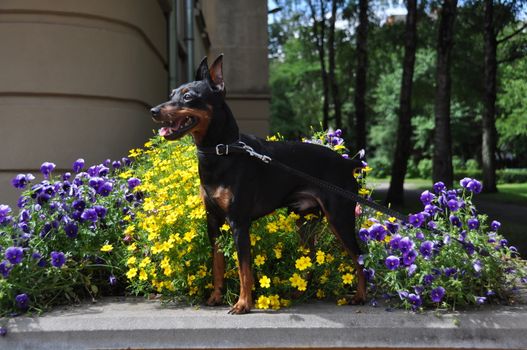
{"x": 218, "y": 260}
{"x": 341, "y": 218}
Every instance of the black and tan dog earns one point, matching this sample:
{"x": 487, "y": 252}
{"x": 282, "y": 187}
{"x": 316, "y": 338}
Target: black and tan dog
{"x": 239, "y": 188}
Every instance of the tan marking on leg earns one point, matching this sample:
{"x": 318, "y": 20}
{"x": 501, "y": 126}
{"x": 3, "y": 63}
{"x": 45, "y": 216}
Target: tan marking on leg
{"x": 245, "y": 301}
{"x": 223, "y": 197}
{"x": 218, "y": 273}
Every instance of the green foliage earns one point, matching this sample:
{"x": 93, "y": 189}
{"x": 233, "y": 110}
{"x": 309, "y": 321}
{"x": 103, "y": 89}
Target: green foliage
{"x": 512, "y": 176}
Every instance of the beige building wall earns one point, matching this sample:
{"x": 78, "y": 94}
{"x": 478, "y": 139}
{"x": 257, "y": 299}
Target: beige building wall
{"x": 77, "y": 79}
{"x": 238, "y": 28}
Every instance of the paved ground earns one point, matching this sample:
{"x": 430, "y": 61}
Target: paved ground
{"x": 136, "y": 323}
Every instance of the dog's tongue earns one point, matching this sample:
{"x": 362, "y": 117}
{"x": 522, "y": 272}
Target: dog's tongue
{"x": 165, "y": 131}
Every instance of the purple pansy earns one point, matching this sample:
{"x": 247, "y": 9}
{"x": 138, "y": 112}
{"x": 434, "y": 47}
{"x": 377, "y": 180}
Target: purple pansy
{"x": 406, "y": 244}
{"x": 392, "y": 262}
{"x": 416, "y": 220}
{"x": 90, "y": 215}
{"x": 78, "y": 165}
{"x": 5, "y": 269}
{"x": 105, "y": 189}
{"x": 453, "y": 204}
{"x": 426, "y": 249}
{"x": 22, "y": 301}
{"x": 364, "y": 235}
{"x": 57, "y": 259}
{"x": 427, "y": 197}
{"x": 415, "y": 300}
{"x": 14, "y": 255}
{"x": 475, "y": 186}
{"x": 495, "y": 225}
{"x": 437, "y": 294}
{"x": 21, "y": 180}
{"x": 133, "y": 182}
{"x": 473, "y": 223}
{"x": 454, "y": 220}
{"x": 71, "y": 229}
{"x": 46, "y": 168}
{"x": 439, "y": 187}
{"x": 409, "y": 257}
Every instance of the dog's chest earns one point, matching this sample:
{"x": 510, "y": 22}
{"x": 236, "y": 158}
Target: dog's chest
{"x": 220, "y": 195}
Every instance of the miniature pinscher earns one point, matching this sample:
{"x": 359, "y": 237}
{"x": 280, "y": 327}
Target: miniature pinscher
{"x": 238, "y": 188}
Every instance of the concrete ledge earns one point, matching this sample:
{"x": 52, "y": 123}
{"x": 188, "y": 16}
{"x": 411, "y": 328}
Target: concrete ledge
{"x": 136, "y": 323}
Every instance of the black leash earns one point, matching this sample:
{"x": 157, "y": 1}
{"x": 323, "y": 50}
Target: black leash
{"x": 240, "y": 147}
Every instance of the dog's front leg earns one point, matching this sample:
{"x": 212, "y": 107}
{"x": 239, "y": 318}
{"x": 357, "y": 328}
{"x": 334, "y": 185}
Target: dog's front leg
{"x": 218, "y": 260}
{"x": 243, "y": 248}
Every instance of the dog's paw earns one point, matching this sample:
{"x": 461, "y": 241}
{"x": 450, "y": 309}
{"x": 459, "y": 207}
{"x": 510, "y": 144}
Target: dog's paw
{"x": 216, "y": 298}
{"x": 358, "y": 299}
{"x": 240, "y": 308}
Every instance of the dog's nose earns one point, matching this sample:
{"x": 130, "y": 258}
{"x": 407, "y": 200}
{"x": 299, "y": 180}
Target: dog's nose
{"x": 155, "y": 112}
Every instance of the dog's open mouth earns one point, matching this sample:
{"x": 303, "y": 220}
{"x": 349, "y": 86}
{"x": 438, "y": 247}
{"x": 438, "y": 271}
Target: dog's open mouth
{"x": 176, "y": 128}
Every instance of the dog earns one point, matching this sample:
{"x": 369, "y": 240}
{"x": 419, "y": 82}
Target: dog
{"x": 238, "y": 188}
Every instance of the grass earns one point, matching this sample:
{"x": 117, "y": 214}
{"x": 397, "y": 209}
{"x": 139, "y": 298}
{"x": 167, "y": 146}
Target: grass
{"x": 509, "y": 193}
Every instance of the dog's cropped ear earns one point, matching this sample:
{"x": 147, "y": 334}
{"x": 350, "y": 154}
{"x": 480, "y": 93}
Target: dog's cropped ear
{"x": 216, "y": 73}
{"x": 203, "y": 70}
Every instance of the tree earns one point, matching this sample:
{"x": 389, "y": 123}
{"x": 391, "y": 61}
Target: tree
{"x": 361, "y": 76}
{"x": 403, "y": 147}
{"x": 331, "y": 55}
{"x": 319, "y": 30}
{"x": 442, "y": 169}
{"x": 488, "y": 142}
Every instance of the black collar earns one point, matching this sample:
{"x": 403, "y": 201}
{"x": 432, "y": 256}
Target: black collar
{"x": 222, "y": 149}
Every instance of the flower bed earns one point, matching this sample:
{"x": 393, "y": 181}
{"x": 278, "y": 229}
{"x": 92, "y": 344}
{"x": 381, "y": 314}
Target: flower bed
{"x": 142, "y": 227}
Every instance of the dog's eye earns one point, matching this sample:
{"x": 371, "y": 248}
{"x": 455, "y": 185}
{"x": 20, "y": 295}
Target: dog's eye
{"x": 187, "y": 97}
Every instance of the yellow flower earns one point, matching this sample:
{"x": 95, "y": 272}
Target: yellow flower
{"x": 132, "y": 247}
{"x": 310, "y": 217}
{"x": 265, "y": 282}
{"x": 342, "y": 301}
{"x": 254, "y": 239}
{"x": 107, "y": 248}
{"x": 131, "y": 260}
{"x": 321, "y": 294}
{"x": 263, "y": 302}
{"x": 320, "y": 257}
{"x": 275, "y": 301}
{"x": 329, "y": 258}
{"x": 285, "y": 302}
{"x": 303, "y": 263}
{"x": 144, "y": 263}
{"x": 272, "y": 227}
{"x": 298, "y": 282}
{"x": 347, "y": 278}
{"x": 143, "y": 275}
{"x": 259, "y": 260}
{"x": 225, "y": 227}
{"x": 364, "y": 192}
{"x": 131, "y": 273}
{"x": 277, "y": 252}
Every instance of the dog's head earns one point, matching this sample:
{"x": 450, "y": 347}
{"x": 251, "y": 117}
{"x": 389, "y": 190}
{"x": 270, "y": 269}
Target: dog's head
{"x": 190, "y": 107}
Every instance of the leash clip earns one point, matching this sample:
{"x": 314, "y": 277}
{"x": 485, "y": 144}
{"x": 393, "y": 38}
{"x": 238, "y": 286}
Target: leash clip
{"x": 253, "y": 153}
{"x": 219, "y": 151}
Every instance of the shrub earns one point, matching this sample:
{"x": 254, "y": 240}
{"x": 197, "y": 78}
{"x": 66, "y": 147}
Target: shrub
{"x": 170, "y": 253}
{"x": 512, "y": 175}
{"x": 425, "y": 168}
{"x": 64, "y": 243}
{"x": 446, "y": 256}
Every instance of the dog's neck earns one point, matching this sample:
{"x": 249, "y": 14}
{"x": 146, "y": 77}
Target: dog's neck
{"x": 222, "y": 129}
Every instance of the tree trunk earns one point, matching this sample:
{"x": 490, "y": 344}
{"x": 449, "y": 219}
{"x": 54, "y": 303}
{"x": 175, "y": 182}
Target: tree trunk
{"x": 332, "y": 79}
{"x": 319, "y": 34}
{"x": 442, "y": 158}
{"x": 360, "y": 82}
{"x": 489, "y": 134}
{"x": 403, "y": 147}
